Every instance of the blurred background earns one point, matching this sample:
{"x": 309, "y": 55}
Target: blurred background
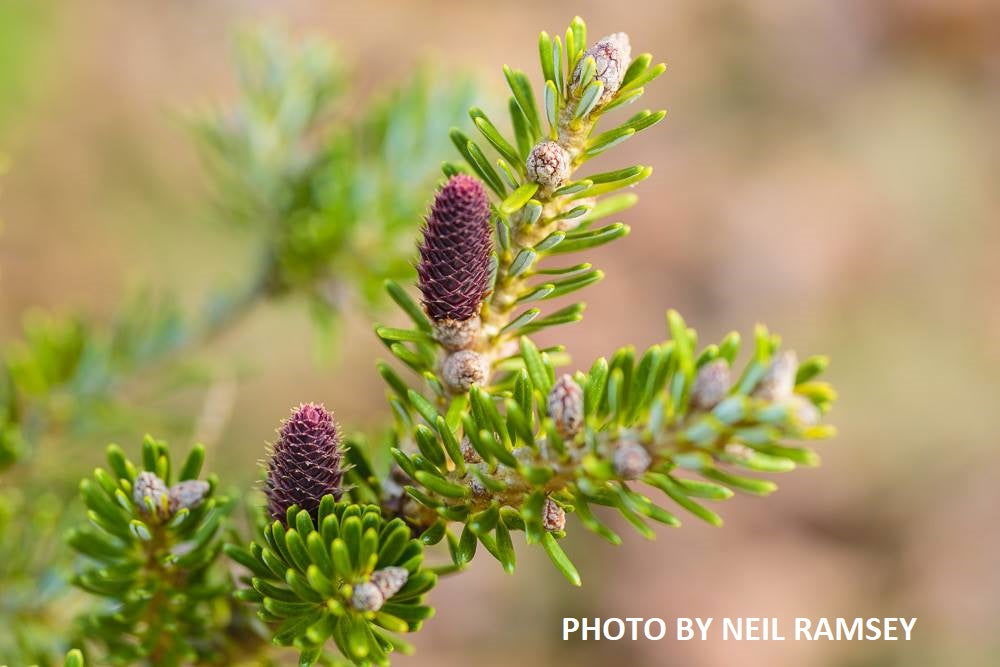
{"x": 830, "y": 169}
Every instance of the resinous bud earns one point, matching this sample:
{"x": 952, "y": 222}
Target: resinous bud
{"x": 389, "y": 580}
{"x": 464, "y": 369}
{"x": 779, "y": 380}
{"x": 553, "y": 516}
{"x": 565, "y": 404}
{"x": 187, "y": 494}
{"x": 612, "y": 55}
{"x": 548, "y": 164}
{"x": 631, "y": 460}
{"x": 711, "y": 385}
{"x": 149, "y": 486}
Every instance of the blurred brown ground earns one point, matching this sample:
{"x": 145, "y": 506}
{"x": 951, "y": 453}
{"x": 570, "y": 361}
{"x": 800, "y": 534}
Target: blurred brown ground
{"x": 829, "y": 168}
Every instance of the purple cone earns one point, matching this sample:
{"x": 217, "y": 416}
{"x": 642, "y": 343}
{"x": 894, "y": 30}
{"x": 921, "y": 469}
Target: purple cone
{"x": 454, "y": 269}
{"x": 306, "y": 462}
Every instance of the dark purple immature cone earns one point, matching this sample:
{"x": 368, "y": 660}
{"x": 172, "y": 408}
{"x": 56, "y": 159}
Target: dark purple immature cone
{"x": 306, "y": 462}
{"x": 454, "y": 269}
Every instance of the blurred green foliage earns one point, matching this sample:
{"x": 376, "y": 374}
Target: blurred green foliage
{"x": 333, "y": 188}
{"x": 32, "y": 575}
{"x": 22, "y": 27}
{"x": 62, "y": 375}
{"x": 333, "y": 192}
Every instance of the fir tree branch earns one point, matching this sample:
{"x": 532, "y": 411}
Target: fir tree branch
{"x": 323, "y": 570}
{"x": 496, "y": 443}
{"x": 152, "y": 545}
{"x": 492, "y": 441}
{"x": 547, "y": 202}
{"x": 660, "y": 423}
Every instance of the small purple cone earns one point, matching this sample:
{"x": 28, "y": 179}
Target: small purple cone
{"x": 454, "y": 268}
{"x": 306, "y": 462}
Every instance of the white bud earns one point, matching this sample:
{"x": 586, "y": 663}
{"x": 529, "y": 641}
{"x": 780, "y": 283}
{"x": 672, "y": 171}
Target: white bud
{"x": 548, "y": 164}
{"x": 367, "y": 597}
{"x": 457, "y": 334}
{"x": 389, "y": 580}
{"x": 463, "y": 369}
{"x": 187, "y": 494}
{"x": 553, "y": 516}
{"x": 565, "y": 404}
{"x": 148, "y": 485}
{"x": 710, "y": 385}
{"x": 779, "y": 380}
{"x": 631, "y": 460}
{"x": 612, "y": 55}
{"x": 804, "y": 410}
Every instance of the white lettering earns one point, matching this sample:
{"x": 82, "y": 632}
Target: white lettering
{"x": 744, "y": 628}
{"x": 845, "y": 631}
{"x": 648, "y": 634}
{"x": 621, "y": 629}
{"x": 570, "y": 625}
{"x": 596, "y": 628}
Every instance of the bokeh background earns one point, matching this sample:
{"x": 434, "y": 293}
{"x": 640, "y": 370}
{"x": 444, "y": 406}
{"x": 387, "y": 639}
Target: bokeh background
{"x": 829, "y": 168}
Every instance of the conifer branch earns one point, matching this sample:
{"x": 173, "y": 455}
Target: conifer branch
{"x": 492, "y": 441}
{"x": 495, "y": 442}
{"x": 324, "y": 570}
{"x": 152, "y": 542}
